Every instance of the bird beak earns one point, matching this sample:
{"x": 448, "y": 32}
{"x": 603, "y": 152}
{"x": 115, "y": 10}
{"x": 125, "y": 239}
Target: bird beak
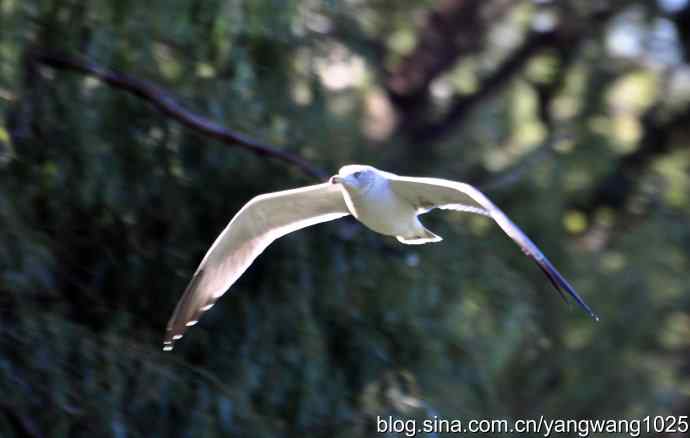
{"x": 335, "y": 179}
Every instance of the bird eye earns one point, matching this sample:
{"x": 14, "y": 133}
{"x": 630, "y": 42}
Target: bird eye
{"x": 358, "y": 174}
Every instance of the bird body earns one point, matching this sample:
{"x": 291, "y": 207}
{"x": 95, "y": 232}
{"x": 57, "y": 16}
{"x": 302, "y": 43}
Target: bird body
{"x": 383, "y": 202}
{"x": 378, "y": 208}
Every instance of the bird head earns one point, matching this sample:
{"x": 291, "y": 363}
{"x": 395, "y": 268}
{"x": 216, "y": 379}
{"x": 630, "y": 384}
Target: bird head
{"x": 355, "y": 177}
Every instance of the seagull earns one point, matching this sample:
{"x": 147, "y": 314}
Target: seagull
{"x": 384, "y": 202}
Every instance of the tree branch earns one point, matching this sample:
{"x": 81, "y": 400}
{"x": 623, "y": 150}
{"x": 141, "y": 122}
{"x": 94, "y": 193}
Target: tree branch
{"x": 453, "y": 29}
{"x": 164, "y": 102}
{"x": 451, "y": 32}
{"x": 462, "y": 105}
{"x": 615, "y": 189}
{"x": 546, "y": 92}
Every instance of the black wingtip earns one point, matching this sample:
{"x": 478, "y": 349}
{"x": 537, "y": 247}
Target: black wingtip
{"x": 589, "y": 311}
{"x": 563, "y": 297}
{"x": 561, "y": 284}
{"x": 594, "y": 316}
{"x": 583, "y": 305}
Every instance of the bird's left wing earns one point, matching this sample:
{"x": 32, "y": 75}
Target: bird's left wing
{"x": 261, "y": 221}
{"x": 428, "y": 193}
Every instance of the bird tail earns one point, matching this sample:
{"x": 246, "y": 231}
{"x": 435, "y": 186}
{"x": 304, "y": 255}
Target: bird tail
{"x": 425, "y": 236}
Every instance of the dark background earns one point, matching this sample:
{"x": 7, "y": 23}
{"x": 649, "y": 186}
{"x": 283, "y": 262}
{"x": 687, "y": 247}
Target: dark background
{"x": 572, "y": 116}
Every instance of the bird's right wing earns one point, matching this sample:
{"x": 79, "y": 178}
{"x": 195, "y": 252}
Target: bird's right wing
{"x": 261, "y": 221}
{"x": 429, "y": 193}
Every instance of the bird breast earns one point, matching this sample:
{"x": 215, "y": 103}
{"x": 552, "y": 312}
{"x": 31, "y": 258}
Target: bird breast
{"x": 380, "y": 210}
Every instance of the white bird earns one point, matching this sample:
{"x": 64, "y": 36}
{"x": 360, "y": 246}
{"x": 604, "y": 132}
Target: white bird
{"x": 384, "y": 202}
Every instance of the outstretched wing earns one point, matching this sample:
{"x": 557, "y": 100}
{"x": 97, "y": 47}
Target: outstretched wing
{"x": 428, "y": 193}
{"x": 261, "y": 221}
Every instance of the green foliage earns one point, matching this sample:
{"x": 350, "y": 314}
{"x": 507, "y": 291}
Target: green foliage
{"x": 107, "y": 206}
